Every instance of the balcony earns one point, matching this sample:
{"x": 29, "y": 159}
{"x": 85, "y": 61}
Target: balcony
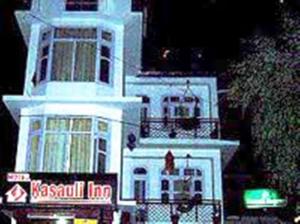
{"x": 180, "y": 128}
{"x": 153, "y": 211}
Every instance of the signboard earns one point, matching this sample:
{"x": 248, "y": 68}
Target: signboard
{"x": 85, "y": 221}
{"x": 263, "y": 198}
{"x": 57, "y": 188}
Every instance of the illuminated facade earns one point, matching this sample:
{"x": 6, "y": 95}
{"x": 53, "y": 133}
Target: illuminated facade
{"x": 87, "y": 109}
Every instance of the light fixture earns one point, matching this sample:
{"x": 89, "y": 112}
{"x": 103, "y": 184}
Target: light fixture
{"x": 61, "y": 220}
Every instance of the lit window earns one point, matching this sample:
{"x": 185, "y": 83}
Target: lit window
{"x": 64, "y": 144}
{"x": 81, "y": 5}
{"x": 75, "y": 55}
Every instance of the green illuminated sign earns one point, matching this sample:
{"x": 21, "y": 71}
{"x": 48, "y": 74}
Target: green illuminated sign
{"x": 263, "y": 198}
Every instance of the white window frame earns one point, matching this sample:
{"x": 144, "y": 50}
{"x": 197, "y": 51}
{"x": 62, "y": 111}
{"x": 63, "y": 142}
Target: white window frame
{"x": 42, "y": 133}
{"x": 171, "y": 178}
{"x": 99, "y": 42}
{"x": 81, "y": 10}
{"x": 173, "y": 106}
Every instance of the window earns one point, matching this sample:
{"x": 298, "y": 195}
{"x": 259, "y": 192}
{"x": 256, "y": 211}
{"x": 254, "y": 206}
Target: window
{"x": 64, "y": 144}
{"x": 81, "y": 5}
{"x": 180, "y": 107}
{"x": 181, "y": 184}
{"x": 101, "y": 146}
{"x": 140, "y": 183}
{"x": 75, "y": 55}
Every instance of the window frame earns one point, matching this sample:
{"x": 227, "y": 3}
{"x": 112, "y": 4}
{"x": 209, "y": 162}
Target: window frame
{"x": 142, "y": 177}
{"x": 99, "y": 42}
{"x": 80, "y": 3}
{"x": 172, "y": 104}
{"x": 66, "y": 166}
{"x": 180, "y": 177}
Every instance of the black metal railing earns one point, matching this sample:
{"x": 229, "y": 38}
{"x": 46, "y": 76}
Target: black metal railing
{"x": 180, "y": 128}
{"x": 154, "y": 211}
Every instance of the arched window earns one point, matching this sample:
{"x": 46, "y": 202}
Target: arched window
{"x": 140, "y": 170}
{"x": 140, "y": 183}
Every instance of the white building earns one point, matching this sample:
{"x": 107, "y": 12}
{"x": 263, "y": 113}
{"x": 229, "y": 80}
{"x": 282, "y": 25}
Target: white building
{"x": 85, "y": 104}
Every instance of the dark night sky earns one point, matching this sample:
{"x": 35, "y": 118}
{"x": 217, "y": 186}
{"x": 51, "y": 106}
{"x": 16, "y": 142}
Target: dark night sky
{"x": 215, "y": 27}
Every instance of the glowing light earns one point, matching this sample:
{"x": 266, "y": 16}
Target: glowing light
{"x": 62, "y": 221}
{"x": 263, "y": 198}
{"x": 166, "y": 53}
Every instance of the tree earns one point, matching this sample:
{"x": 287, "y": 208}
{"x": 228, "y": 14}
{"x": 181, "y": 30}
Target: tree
{"x": 266, "y": 81}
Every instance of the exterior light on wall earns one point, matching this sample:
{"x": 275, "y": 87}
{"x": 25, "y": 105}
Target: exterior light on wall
{"x": 131, "y": 144}
{"x": 62, "y": 221}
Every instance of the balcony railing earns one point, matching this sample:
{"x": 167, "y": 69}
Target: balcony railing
{"x": 153, "y": 211}
{"x": 180, "y": 128}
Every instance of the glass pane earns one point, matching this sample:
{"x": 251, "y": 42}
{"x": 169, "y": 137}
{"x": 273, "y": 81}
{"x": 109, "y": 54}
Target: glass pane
{"x": 165, "y": 198}
{"x": 82, "y": 124}
{"x": 62, "y": 61}
{"x": 55, "y": 152}
{"x": 198, "y": 172}
{"x": 181, "y": 185}
{"x": 43, "y": 69}
{"x": 164, "y": 185}
{"x": 34, "y": 153}
{"x": 106, "y": 36}
{"x": 35, "y": 125}
{"x": 105, "y": 51}
{"x": 140, "y": 170}
{"x": 85, "y": 61}
{"x": 76, "y": 33}
{"x": 174, "y": 99}
{"x": 104, "y": 71}
{"x": 189, "y": 172}
{"x": 102, "y": 145}
{"x": 80, "y": 153}
{"x": 197, "y": 185}
{"x": 102, "y": 126}
{"x": 101, "y": 163}
{"x": 139, "y": 189}
{"x": 58, "y": 124}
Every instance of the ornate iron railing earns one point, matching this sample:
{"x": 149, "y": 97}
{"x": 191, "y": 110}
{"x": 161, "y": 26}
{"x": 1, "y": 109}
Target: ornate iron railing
{"x": 180, "y": 128}
{"x": 154, "y": 211}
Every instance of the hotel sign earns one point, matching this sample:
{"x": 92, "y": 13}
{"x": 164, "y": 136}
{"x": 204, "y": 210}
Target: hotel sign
{"x": 57, "y": 188}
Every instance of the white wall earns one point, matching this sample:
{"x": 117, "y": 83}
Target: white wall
{"x": 156, "y": 88}
{"x": 152, "y": 159}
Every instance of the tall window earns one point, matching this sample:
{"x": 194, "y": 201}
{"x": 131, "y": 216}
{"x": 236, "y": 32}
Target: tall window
{"x": 101, "y": 145}
{"x": 140, "y": 184}
{"x": 105, "y": 58}
{"x": 181, "y": 184}
{"x": 81, "y": 5}
{"x": 62, "y": 144}
{"x": 75, "y": 54}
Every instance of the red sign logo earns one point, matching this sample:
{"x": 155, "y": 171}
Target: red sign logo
{"x": 16, "y": 194}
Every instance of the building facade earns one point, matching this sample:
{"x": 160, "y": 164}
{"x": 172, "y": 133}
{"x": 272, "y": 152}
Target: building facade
{"x": 87, "y": 110}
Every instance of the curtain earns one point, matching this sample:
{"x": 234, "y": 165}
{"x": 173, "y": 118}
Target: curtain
{"x": 55, "y": 149}
{"x": 55, "y": 155}
{"x": 62, "y": 61}
{"x": 34, "y": 153}
{"x": 85, "y": 61}
{"x": 80, "y": 153}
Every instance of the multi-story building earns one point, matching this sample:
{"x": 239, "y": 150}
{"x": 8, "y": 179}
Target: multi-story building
{"x": 90, "y": 121}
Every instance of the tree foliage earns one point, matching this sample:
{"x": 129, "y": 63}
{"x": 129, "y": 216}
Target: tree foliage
{"x": 266, "y": 80}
